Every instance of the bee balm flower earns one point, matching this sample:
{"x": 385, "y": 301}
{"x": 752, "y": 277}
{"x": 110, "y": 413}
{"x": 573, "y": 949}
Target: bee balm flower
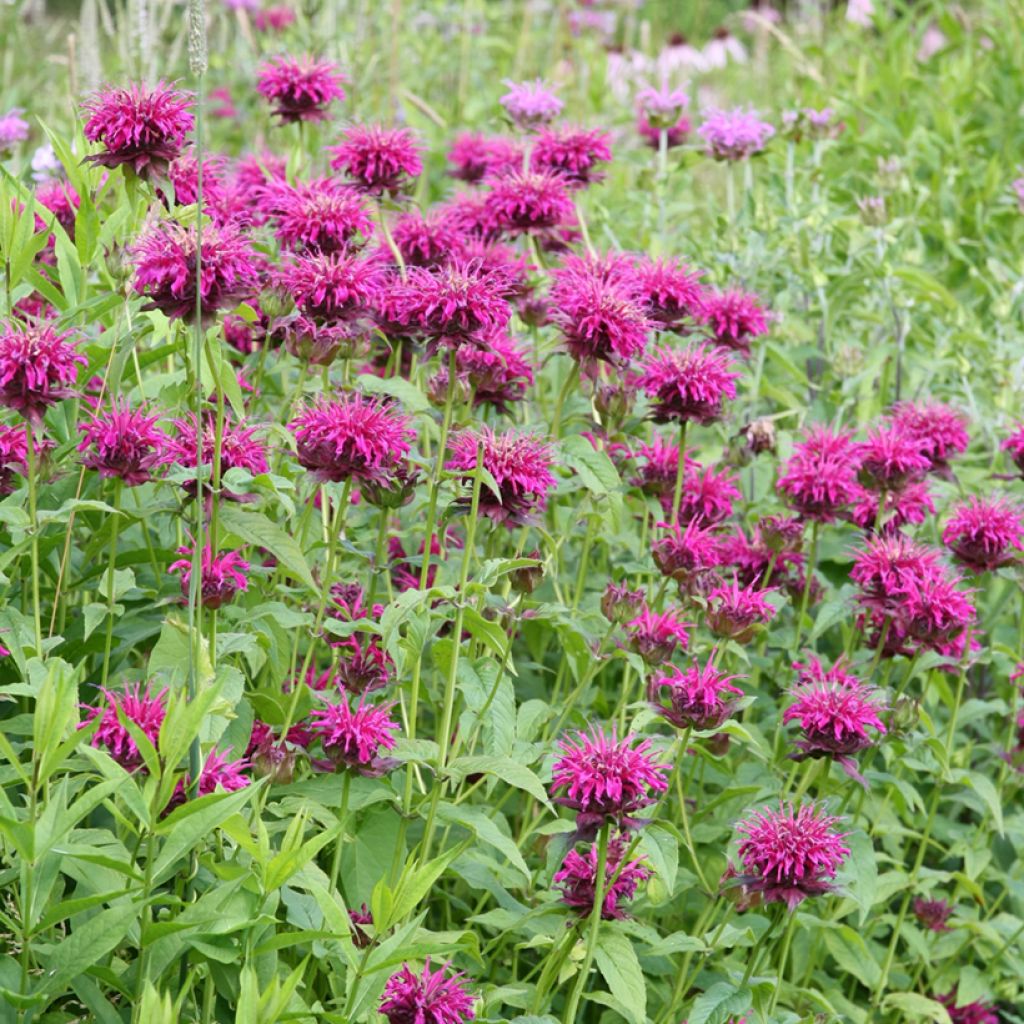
{"x": 223, "y": 575}
{"x": 577, "y": 879}
{"x": 982, "y": 533}
{"x": 37, "y": 365}
{"x": 699, "y": 698}
{"x": 378, "y": 159}
{"x": 136, "y": 705}
{"x": 426, "y": 998}
{"x": 123, "y": 443}
{"x": 686, "y": 384}
{"x": 300, "y": 90}
{"x": 353, "y": 739}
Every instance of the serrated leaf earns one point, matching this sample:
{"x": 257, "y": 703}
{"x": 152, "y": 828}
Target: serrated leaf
{"x": 916, "y": 1008}
{"x": 256, "y": 529}
{"x": 511, "y": 772}
{"x": 617, "y": 961}
{"x": 722, "y": 1001}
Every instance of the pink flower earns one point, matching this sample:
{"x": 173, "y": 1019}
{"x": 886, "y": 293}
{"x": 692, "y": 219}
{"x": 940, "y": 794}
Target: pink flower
{"x": 457, "y": 302}
{"x": 223, "y": 575}
{"x": 791, "y": 854}
{"x": 687, "y": 384}
{"x": 935, "y": 613}
{"x": 686, "y": 555}
{"x": 577, "y": 879}
{"x": 891, "y": 458}
{"x": 353, "y": 739}
{"x": 708, "y": 494}
{"x": 14, "y": 455}
{"x": 525, "y": 201}
{"x": 970, "y": 1013}
{"x": 982, "y": 532}
{"x": 675, "y": 133}
{"x": 572, "y": 153}
{"x": 351, "y": 437}
{"x": 890, "y": 566}
{"x": 933, "y": 914}
{"x": 656, "y": 635}
{"x": 362, "y": 665}
{"x": 426, "y": 998}
{"x": 320, "y": 215}
{"x": 13, "y": 129}
{"x": 520, "y": 465}
{"x": 273, "y": 19}
{"x": 332, "y": 285}
{"x": 426, "y": 241}
{"x": 912, "y": 504}
{"x": 820, "y": 478}
{"x": 139, "y": 127}
{"x": 240, "y": 448}
{"x": 473, "y": 156}
{"x": 62, "y": 201}
{"x": 656, "y": 475}
{"x": 674, "y": 296}
{"x": 1014, "y": 444}
{"x": 217, "y": 773}
{"x": 606, "y": 779}
{"x": 620, "y": 605}
{"x": 183, "y": 176}
{"x": 300, "y": 90}
{"x": 734, "y": 317}
{"x": 940, "y": 431}
{"x": 700, "y": 698}
{"x": 735, "y": 613}
{"x": 165, "y": 268}
{"x": 813, "y": 672}
{"x": 378, "y": 159}
{"x": 734, "y": 134}
{"x": 122, "y": 443}
{"x": 497, "y": 374}
{"x": 135, "y": 705}
{"x": 222, "y": 103}
{"x": 37, "y": 367}
{"x": 662, "y": 107}
{"x": 531, "y": 104}
{"x": 752, "y": 559}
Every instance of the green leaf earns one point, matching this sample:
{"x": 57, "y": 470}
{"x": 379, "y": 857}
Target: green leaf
{"x": 415, "y": 884}
{"x": 722, "y": 1001}
{"x": 256, "y": 529}
{"x": 617, "y": 961}
{"x": 595, "y": 470}
{"x": 509, "y": 771}
{"x": 861, "y": 873}
{"x": 916, "y": 1008}
{"x": 986, "y": 789}
{"x": 404, "y": 391}
{"x": 486, "y": 830}
{"x": 851, "y": 953}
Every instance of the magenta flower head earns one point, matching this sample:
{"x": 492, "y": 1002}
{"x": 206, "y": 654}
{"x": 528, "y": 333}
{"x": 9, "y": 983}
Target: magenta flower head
{"x": 736, "y": 613}
{"x": 577, "y": 879}
{"x": 673, "y": 293}
{"x": 575, "y": 154}
{"x": 708, "y": 495}
{"x": 890, "y": 566}
{"x": 520, "y": 465}
{"x": 351, "y": 437}
{"x": 813, "y": 671}
{"x": 474, "y": 157}
{"x": 970, "y": 1013}
{"x": 941, "y": 432}
{"x": 378, "y": 159}
{"x": 656, "y": 473}
{"x": 496, "y": 375}
{"x": 37, "y": 367}
{"x": 734, "y": 317}
{"x": 912, "y": 504}
{"x": 136, "y": 705}
{"x": 13, "y": 129}
{"x": 426, "y": 998}
{"x": 687, "y": 554}
{"x": 662, "y": 108}
{"x": 790, "y": 854}
{"x": 165, "y": 268}
{"x": 700, "y": 698}
{"x": 458, "y": 302}
{"x": 321, "y": 215}
{"x": 217, "y": 773}
{"x": 354, "y": 739}
{"x": 656, "y": 635}
{"x": 140, "y": 128}
{"x": 300, "y": 89}
{"x": 240, "y": 448}
{"x": 820, "y": 479}
{"x": 605, "y": 779}
{"x": 122, "y": 443}
{"x": 62, "y": 201}
{"x": 620, "y": 605}
{"x": 426, "y": 241}
{"x": 982, "y": 532}
{"x": 1014, "y": 445}
{"x": 528, "y": 202}
{"x": 332, "y": 285}
{"x": 891, "y": 458}
{"x": 223, "y": 575}
{"x": 933, "y": 914}
{"x": 531, "y": 104}
{"x": 835, "y": 718}
{"x": 734, "y": 134}
{"x": 689, "y": 383}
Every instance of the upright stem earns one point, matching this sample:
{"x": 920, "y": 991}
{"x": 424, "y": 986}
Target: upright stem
{"x": 567, "y": 385}
{"x": 30, "y": 458}
{"x": 111, "y": 565}
{"x": 346, "y": 783}
{"x": 812, "y": 561}
{"x": 595, "y": 925}
{"x": 677, "y": 494}
{"x": 783, "y": 957}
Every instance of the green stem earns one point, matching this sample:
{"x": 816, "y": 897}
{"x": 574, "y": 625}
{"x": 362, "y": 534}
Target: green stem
{"x": 783, "y": 957}
{"x": 111, "y": 565}
{"x": 677, "y": 494}
{"x": 567, "y": 385}
{"x": 33, "y": 515}
{"x": 346, "y": 783}
{"x": 812, "y": 561}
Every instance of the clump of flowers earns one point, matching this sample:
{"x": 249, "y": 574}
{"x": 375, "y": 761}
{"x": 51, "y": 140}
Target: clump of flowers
{"x": 656, "y": 635}
{"x": 354, "y": 738}
{"x": 351, "y": 437}
{"x": 223, "y": 575}
{"x": 300, "y": 89}
{"x": 430, "y": 997}
{"x": 474, "y": 157}
{"x": 122, "y": 443}
{"x": 734, "y": 134}
{"x": 820, "y": 479}
{"x": 701, "y": 697}
{"x": 983, "y": 532}
{"x": 140, "y": 128}
{"x": 531, "y": 104}
{"x": 497, "y": 375}
{"x": 37, "y": 366}
{"x": 573, "y": 153}
{"x": 790, "y": 854}
{"x": 577, "y": 879}
{"x": 520, "y": 465}
{"x": 604, "y": 778}
{"x": 165, "y": 268}
{"x": 687, "y": 384}
{"x": 940, "y": 432}
{"x": 378, "y": 160}
{"x": 319, "y": 215}
{"x": 135, "y": 704}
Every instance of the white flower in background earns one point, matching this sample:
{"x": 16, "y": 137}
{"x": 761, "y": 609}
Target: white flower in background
{"x": 722, "y": 48}
{"x": 45, "y": 165}
{"x": 860, "y": 12}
